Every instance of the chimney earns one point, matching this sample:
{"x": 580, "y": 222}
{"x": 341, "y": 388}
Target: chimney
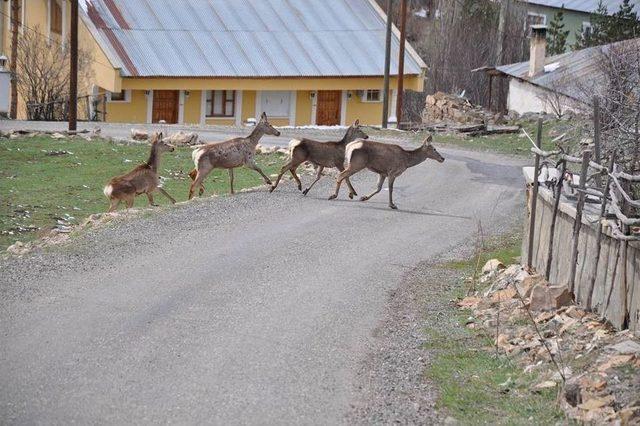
{"x": 538, "y": 49}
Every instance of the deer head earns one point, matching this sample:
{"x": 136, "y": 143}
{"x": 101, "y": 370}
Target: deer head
{"x": 354, "y": 132}
{"x": 159, "y": 144}
{"x": 431, "y": 150}
{"x": 265, "y": 127}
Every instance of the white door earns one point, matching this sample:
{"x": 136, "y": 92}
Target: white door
{"x": 275, "y": 103}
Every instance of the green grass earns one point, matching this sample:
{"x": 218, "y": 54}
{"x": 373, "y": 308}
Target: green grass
{"x": 39, "y": 190}
{"x": 512, "y": 144}
{"x": 476, "y": 386}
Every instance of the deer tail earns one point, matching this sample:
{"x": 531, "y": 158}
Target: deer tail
{"x": 108, "y": 191}
{"x": 353, "y": 146}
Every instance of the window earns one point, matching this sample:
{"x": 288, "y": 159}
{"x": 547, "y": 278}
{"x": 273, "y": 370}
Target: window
{"x": 56, "y": 17}
{"x": 122, "y": 96}
{"x": 220, "y": 103}
{"x": 371, "y": 96}
{"x": 535, "y": 19}
{"x": 586, "y": 29}
{"x": 275, "y": 103}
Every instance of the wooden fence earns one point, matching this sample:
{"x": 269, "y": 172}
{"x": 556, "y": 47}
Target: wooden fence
{"x": 580, "y": 232}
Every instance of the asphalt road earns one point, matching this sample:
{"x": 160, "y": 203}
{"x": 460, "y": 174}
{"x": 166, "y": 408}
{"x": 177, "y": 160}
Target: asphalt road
{"x": 252, "y": 309}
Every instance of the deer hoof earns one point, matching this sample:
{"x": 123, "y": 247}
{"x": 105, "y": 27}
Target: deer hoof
{"x": 333, "y": 197}
{"x": 272, "y": 188}
{"x": 364, "y": 198}
{"x": 393, "y": 206}
{"x": 305, "y": 192}
{"x": 299, "y": 187}
{"x": 268, "y": 182}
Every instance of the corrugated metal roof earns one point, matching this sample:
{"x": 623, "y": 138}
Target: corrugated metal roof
{"x": 584, "y": 5}
{"x": 573, "y": 73}
{"x": 244, "y": 38}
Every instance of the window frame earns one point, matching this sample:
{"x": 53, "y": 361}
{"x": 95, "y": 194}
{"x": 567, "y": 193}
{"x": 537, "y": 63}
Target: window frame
{"x": 210, "y": 105}
{"x": 283, "y": 114}
{"x": 585, "y": 25}
{"x": 364, "y": 98}
{"x": 126, "y": 98}
{"x": 537, "y": 15}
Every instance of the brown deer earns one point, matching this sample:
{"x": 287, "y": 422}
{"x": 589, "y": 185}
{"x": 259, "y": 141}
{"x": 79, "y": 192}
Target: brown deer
{"x": 144, "y": 179}
{"x": 387, "y": 160}
{"x": 229, "y": 155}
{"x": 321, "y": 155}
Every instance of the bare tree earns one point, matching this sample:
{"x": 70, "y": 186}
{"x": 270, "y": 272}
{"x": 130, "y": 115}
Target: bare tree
{"x": 43, "y": 75}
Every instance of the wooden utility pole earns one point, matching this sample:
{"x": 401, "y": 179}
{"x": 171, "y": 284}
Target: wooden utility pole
{"x": 502, "y": 29}
{"x": 387, "y": 65}
{"x": 73, "y": 78}
{"x": 13, "y": 67}
{"x": 403, "y": 29}
{"x": 534, "y": 198}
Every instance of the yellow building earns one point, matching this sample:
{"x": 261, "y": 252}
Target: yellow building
{"x": 303, "y": 62}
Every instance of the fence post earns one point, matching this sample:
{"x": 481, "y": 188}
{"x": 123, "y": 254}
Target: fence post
{"x": 603, "y": 212}
{"x": 586, "y": 157}
{"x": 534, "y": 197}
{"x": 556, "y": 204}
{"x": 597, "y": 131}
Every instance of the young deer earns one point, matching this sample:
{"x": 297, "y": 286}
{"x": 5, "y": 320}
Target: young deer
{"x": 387, "y": 160}
{"x": 229, "y": 155}
{"x": 143, "y": 179}
{"x": 321, "y": 155}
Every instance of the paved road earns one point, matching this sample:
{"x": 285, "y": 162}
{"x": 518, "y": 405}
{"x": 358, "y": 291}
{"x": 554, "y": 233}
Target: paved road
{"x": 252, "y": 309}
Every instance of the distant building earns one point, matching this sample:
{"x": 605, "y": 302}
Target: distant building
{"x": 556, "y": 83}
{"x": 577, "y": 13}
{"x": 303, "y": 62}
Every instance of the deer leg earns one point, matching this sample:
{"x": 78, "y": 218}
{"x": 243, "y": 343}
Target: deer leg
{"x": 231, "y": 181}
{"x": 318, "y": 176}
{"x": 166, "y": 194}
{"x": 391, "y": 179}
{"x": 113, "y": 204}
{"x": 253, "y": 166}
{"x": 150, "y": 197}
{"x": 200, "y": 175}
{"x": 381, "y": 179}
{"x": 349, "y": 171}
{"x": 129, "y": 201}
{"x": 296, "y": 178}
{"x": 352, "y": 191}
{"x": 192, "y": 174}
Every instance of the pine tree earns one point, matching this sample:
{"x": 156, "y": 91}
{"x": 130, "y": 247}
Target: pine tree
{"x": 605, "y": 28}
{"x": 556, "y": 35}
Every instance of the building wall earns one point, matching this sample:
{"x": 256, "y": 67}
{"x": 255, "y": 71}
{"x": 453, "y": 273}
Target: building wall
{"x": 524, "y": 97}
{"x": 572, "y": 20}
{"x": 134, "y": 111}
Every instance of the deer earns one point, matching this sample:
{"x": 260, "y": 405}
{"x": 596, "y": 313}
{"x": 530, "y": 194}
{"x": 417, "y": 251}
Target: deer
{"x": 387, "y": 160}
{"x": 229, "y": 155}
{"x": 321, "y": 155}
{"x": 144, "y": 179}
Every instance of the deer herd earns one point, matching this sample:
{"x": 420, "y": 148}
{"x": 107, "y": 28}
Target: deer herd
{"x": 349, "y": 155}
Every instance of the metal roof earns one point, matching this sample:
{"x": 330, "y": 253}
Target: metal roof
{"x": 587, "y": 6}
{"x": 575, "y": 74}
{"x": 244, "y": 38}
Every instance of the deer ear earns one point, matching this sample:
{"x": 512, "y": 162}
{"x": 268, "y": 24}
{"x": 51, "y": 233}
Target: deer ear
{"x": 160, "y": 136}
{"x": 357, "y": 122}
{"x": 263, "y": 117}
{"x": 428, "y": 140}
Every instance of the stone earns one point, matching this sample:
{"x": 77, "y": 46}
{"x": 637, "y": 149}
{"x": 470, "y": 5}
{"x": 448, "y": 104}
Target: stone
{"x": 626, "y": 347}
{"x": 492, "y": 266}
{"x": 182, "y": 138}
{"x": 545, "y": 298}
{"x": 139, "y": 135}
{"x": 502, "y": 295}
{"x": 525, "y": 286}
{"x": 572, "y": 394}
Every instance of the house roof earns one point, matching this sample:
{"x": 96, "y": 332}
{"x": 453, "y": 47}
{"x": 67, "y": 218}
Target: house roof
{"x": 586, "y": 6}
{"x": 244, "y": 38}
{"x": 573, "y": 74}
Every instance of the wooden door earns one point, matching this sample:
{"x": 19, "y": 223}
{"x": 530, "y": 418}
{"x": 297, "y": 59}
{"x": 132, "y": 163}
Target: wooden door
{"x": 328, "y": 110}
{"x": 165, "y": 106}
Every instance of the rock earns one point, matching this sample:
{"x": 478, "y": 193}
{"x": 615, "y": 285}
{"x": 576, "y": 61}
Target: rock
{"x": 450, "y": 421}
{"x": 615, "y": 361}
{"x": 548, "y": 384}
{"x": 544, "y": 298}
{"x": 469, "y": 302}
{"x": 502, "y": 295}
{"x": 139, "y": 135}
{"x": 525, "y": 286}
{"x": 597, "y": 402}
{"x": 626, "y": 347}
{"x": 492, "y": 266}
{"x": 182, "y": 138}
{"x": 19, "y": 248}
{"x": 57, "y": 136}
{"x": 575, "y": 312}
{"x": 572, "y": 394}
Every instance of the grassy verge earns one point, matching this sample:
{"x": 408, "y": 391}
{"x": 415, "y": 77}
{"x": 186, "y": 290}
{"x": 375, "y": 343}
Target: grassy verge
{"x": 476, "y": 386}
{"x": 512, "y": 144}
{"x": 46, "y": 182}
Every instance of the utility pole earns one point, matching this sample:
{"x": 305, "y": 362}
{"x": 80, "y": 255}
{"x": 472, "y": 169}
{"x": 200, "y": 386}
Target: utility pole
{"x": 387, "y": 65}
{"x": 13, "y": 67}
{"x": 403, "y": 29}
{"x": 73, "y": 78}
